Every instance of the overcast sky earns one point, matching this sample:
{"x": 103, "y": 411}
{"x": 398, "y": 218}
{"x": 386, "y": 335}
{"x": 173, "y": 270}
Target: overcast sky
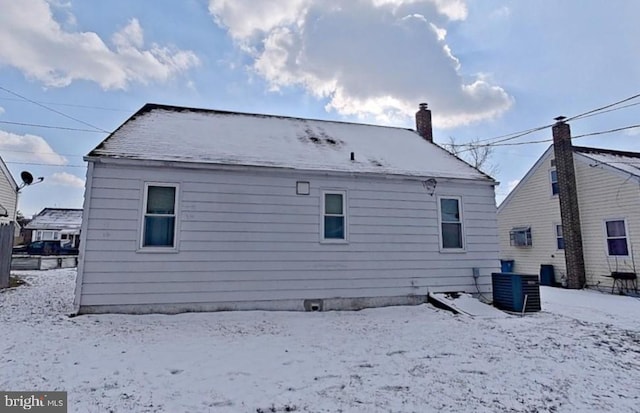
{"x": 486, "y": 67}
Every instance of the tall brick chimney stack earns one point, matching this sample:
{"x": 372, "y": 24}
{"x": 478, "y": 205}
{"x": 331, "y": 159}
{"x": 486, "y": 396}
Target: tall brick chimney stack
{"x": 423, "y": 122}
{"x": 569, "y": 211}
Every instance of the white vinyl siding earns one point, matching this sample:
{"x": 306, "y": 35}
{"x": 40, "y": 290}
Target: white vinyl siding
{"x": 604, "y": 195}
{"x": 531, "y": 205}
{"x": 8, "y": 198}
{"x": 247, "y": 237}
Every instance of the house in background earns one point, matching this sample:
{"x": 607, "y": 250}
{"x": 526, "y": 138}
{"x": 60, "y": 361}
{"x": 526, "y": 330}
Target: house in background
{"x": 203, "y": 210}
{"x": 607, "y": 183}
{"x": 61, "y": 224}
{"x": 8, "y": 195}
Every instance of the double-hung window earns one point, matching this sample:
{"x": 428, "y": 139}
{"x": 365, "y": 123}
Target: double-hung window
{"x": 334, "y": 217}
{"x": 553, "y": 174}
{"x": 159, "y": 222}
{"x": 451, "y": 234}
{"x": 559, "y": 237}
{"x": 616, "y": 232}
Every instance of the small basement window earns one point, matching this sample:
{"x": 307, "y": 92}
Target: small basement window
{"x": 520, "y": 237}
{"x": 159, "y": 224}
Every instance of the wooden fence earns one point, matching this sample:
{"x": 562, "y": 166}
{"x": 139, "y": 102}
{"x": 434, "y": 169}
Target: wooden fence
{"x": 6, "y": 248}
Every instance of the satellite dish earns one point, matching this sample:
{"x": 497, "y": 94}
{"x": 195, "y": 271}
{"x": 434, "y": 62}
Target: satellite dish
{"x": 27, "y": 178}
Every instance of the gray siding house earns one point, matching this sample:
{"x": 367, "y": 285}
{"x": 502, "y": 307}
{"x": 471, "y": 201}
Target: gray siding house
{"x": 203, "y": 210}
{"x": 8, "y": 195}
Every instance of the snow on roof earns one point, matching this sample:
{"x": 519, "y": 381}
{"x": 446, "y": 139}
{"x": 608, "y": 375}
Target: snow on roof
{"x": 168, "y": 133}
{"x": 628, "y": 162}
{"x": 57, "y": 218}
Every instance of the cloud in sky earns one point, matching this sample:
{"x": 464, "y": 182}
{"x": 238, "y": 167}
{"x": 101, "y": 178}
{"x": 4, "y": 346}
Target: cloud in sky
{"x": 368, "y": 58}
{"x": 1, "y": 110}
{"x": 38, "y": 45}
{"x": 28, "y": 148}
{"x": 66, "y": 179}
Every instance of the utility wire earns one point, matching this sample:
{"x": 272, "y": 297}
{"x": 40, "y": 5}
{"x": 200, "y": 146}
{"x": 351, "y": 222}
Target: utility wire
{"x": 46, "y": 164}
{"x": 38, "y": 152}
{"x": 71, "y": 105}
{"x": 610, "y": 110}
{"x": 551, "y": 140}
{"x": 51, "y": 127}
{"x": 602, "y": 108}
{"x": 606, "y": 131}
{"x": 515, "y": 135}
{"x": 53, "y": 110}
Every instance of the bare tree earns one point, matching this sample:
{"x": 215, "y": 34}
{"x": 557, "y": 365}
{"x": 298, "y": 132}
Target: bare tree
{"x": 473, "y": 152}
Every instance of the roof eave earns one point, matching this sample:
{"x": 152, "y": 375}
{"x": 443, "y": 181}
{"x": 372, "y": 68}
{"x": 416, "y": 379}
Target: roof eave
{"x": 103, "y": 159}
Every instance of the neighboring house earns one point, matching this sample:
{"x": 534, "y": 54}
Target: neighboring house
{"x": 608, "y": 193}
{"x": 202, "y": 210}
{"x": 61, "y": 224}
{"x": 8, "y": 195}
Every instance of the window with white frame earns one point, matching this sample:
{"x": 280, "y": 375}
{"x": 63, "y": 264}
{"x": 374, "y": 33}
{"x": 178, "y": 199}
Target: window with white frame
{"x": 159, "y": 224}
{"x": 451, "y": 224}
{"x": 554, "y": 182}
{"x": 616, "y": 232}
{"x": 46, "y": 235}
{"x": 333, "y": 215}
{"x": 559, "y": 238}
{"x": 520, "y": 237}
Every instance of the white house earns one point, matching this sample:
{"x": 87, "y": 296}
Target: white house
{"x": 61, "y": 224}
{"x": 8, "y": 195}
{"x": 608, "y": 194}
{"x": 202, "y": 210}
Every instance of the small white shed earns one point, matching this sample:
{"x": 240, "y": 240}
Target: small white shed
{"x": 203, "y": 210}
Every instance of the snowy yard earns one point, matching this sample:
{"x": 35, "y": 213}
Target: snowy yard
{"x": 581, "y": 354}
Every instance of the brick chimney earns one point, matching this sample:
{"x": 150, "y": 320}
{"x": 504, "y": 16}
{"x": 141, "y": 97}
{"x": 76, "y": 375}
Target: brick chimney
{"x": 423, "y": 122}
{"x": 569, "y": 210}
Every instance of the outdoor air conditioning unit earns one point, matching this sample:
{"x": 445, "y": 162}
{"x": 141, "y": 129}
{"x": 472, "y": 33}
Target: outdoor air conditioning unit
{"x": 516, "y": 292}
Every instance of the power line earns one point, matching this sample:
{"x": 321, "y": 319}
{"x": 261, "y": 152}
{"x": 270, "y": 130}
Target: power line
{"x": 515, "y": 135}
{"x": 50, "y": 127}
{"x": 53, "y": 110}
{"x": 606, "y": 131}
{"x": 38, "y": 152}
{"x": 72, "y": 105}
{"x": 610, "y": 110}
{"x": 573, "y": 137}
{"x": 46, "y": 164}
{"x": 602, "y": 108}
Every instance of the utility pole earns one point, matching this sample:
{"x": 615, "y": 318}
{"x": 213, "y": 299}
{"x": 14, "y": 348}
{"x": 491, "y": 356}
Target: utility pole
{"x": 569, "y": 210}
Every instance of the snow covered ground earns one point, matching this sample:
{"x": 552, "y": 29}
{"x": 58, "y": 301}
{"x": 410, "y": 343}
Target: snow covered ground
{"x": 581, "y": 354}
